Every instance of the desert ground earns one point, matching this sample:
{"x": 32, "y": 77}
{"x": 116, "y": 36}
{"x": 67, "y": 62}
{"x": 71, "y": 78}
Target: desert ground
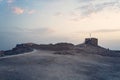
{"x": 44, "y": 65}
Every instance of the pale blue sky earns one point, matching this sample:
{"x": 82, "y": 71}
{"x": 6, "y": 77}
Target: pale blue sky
{"x": 52, "y": 21}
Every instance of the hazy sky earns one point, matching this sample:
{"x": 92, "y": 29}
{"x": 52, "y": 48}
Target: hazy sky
{"x": 51, "y": 21}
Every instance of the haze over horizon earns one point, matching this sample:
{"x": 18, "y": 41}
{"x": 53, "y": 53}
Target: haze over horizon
{"x": 52, "y": 21}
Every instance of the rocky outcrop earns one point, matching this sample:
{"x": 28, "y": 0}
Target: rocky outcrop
{"x": 54, "y": 47}
{"x": 1, "y": 53}
{"x": 28, "y": 47}
{"x": 98, "y": 50}
{"x": 20, "y": 48}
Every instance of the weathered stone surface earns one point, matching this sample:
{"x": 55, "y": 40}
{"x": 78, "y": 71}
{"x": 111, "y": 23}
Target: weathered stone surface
{"x": 91, "y": 41}
{"x": 1, "y": 53}
{"x": 54, "y": 47}
{"x": 20, "y": 48}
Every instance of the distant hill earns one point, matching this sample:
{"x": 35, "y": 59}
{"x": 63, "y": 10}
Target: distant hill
{"x": 90, "y": 46}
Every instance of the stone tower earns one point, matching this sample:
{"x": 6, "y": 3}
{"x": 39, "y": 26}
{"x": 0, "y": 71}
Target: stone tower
{"x": 91, "y": 41}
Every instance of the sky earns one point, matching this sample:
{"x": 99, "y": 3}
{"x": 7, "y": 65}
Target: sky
{"x": 52, "y": 21}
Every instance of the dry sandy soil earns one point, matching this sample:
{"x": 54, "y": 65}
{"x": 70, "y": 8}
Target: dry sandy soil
{"x": 44, "y": 65}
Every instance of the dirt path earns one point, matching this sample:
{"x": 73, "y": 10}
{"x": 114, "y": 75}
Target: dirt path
{"x": 43, "y": 65}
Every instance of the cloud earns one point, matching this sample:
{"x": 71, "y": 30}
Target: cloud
{"x": 18, "y": 10}
{"x": 93, "y": 6}
{"x": 39, "y": 31}
{"x": 105, "y": 30}
{"x": 10, "y": 1}
{"x": 58, "y": 14}
{"x": 99, "y": 31}
{"x": 84, "y": 1}
{"x": 1, "y": 0}
{"x": 12, "y": 30}
{"x": 31, "y": 11}
{"x": 27, "y": 31}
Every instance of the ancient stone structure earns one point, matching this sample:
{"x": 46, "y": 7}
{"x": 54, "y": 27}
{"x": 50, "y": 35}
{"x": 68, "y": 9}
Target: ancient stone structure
{"x": 91, "y": 41}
